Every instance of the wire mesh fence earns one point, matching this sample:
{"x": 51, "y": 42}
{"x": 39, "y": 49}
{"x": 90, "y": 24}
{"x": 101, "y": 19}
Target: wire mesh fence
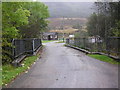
{"x": 25, "y": 46}
{"x": 109, "y": 46}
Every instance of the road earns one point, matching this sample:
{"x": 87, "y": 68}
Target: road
{"x": 64, "y": 67}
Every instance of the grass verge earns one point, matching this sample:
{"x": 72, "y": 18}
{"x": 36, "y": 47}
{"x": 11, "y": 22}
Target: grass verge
{"x": 46, "y": 41}
{"x": 104, "y": 58}
{"x": 9, "y": 72}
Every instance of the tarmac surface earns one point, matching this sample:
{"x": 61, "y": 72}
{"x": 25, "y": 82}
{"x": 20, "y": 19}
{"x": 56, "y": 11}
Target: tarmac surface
{"x": 64, "y": 67}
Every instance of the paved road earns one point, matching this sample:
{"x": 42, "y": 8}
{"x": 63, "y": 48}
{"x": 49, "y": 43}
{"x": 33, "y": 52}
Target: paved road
{"x": 64, "y": 67}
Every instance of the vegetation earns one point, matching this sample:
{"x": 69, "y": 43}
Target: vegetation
{"x": 37, "y": 22}
{"x": 104, "y": 58}
{"x": 66, "y": 23}
{"x": 104, "y": 26}
{"x": 81, "y": 34}
{"x": 105, "y": 21}
{"x": 21, "y": 20}
{"x": 9, "y": 72}
{"x": 46, "y": 41}
{"x": 13, "y": 16}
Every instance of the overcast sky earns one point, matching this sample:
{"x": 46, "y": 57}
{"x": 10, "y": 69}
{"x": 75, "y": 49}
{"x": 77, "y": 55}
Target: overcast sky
{"x": 67, "y": 0}
{"x": 58, "y": 0}
{"x": 75, "y": 0}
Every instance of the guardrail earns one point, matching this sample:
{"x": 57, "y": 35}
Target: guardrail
{"x": 109, "y": 46}
{"x": 23, "y": 46}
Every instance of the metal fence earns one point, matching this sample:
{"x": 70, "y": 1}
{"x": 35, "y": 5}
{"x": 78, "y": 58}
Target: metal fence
{"x": 109, "y": 46}
{"x": 25, "y": 46}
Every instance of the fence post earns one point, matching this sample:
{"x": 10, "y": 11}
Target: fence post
{"x": 40, "y": 42}
{"x": 84, "y": 43}
{"x": 33, "y": 45}
{"x": 13, "y": 48}
{"x": 67, "y": 40}
{"x": 118, "y": 48}
{"x": 108, "y": 45}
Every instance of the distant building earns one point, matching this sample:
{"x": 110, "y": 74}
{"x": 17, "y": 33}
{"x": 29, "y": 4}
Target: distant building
{"x": 95, "y": 39}
{"x": 50, "y": 36}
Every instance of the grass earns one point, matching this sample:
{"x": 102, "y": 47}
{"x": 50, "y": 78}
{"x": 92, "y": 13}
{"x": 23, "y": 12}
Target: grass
{"x": 46, "y": 41}
{"x": 9, "y": 72}
{"x": 104, "y": 58}
{"x": 0, "y": 76}
{"x": 65, "y": 44}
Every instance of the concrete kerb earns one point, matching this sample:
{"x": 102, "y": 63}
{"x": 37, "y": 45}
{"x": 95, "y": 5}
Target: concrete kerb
{"x": 17, "y": 62}
{"x": 83, "y": 50}
{"x": 88, "y": 52}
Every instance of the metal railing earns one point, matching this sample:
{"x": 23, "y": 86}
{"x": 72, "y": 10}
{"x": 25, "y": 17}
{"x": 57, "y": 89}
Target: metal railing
{"x": 109, "y": 46}
{"x": 25, "y": 46}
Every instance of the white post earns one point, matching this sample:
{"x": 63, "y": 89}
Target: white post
{"x": 33, "y": 47}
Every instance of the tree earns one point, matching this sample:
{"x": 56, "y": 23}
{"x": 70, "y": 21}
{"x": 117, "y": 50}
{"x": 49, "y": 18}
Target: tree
{"x": 21, "y": 20}
{"x": 13, "y": 16}
{"x": 37, "y": 23}
{"x": 77, "y": 26}
{"x": 106, "y": 21}
{"x": 92, "y": 25}
{"x": 116, "y": 30}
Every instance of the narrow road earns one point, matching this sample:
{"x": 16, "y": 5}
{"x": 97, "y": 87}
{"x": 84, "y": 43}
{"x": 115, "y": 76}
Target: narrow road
{"x": 64, "y": 67}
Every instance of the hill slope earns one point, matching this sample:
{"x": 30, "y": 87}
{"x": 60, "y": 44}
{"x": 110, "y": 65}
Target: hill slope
{"x": 70, "y": 9}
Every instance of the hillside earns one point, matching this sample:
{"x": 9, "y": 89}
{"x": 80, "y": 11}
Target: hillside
{"x": 59, "y": 23}
{"x": 69, "y": 9}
